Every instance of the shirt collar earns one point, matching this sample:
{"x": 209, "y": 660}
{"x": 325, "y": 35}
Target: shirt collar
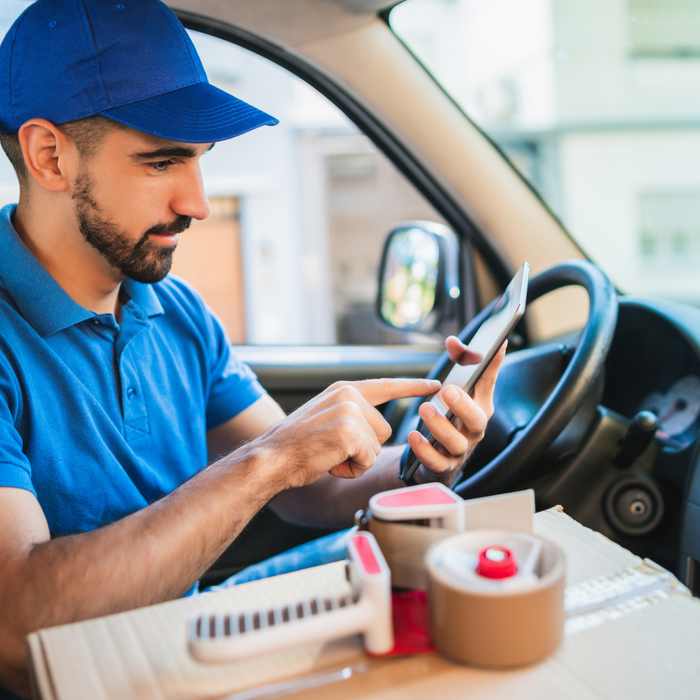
{"x": 40, "y": 299}
{"x": 144, "y": 296}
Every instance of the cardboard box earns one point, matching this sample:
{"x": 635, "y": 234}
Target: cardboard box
{"x": 633, "y": 632}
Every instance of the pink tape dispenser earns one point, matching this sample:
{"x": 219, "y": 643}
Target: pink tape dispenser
{"x": 406, "y": 522}
{"x": 236, "y": 635}
{"x": 434, "y": 504}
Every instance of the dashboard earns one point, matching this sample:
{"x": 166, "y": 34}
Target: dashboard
{"x": 654, "y": 364}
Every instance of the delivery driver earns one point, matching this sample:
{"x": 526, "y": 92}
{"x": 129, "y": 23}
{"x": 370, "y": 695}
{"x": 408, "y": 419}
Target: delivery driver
{"x": 117, "y": 385}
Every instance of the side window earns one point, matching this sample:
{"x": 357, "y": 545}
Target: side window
{"x": 300, "y": 212}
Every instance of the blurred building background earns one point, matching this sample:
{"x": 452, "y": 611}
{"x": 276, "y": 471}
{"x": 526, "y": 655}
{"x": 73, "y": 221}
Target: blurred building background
{"x": 597, "y": 102}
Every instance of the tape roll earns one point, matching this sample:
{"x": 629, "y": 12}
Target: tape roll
{"x": 496, "y": 622}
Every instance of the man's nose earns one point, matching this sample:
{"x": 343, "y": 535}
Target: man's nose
{"x": 189, "y": 199}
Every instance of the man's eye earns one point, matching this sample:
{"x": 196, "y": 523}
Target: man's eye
{"x": 161, "y": 165}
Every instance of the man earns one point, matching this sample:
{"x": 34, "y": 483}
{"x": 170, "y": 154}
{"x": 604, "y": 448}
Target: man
{"x": 117, "y": 386}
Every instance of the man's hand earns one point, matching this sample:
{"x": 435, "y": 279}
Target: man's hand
{"x": 340, "y": 431}
{"x": 456, "y": 442}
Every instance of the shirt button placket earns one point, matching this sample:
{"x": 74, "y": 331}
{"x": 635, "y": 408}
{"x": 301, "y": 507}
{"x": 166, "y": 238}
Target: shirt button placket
{"x": 134, "y": 404}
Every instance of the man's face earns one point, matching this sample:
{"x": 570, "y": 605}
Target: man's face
{"x": 134, "y": 196}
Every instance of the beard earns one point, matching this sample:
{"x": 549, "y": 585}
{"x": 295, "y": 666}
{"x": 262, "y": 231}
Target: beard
{"x": 144, "y": 261}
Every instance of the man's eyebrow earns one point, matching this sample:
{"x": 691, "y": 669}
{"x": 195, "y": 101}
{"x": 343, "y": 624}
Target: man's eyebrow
{"x": 165, "y": 153}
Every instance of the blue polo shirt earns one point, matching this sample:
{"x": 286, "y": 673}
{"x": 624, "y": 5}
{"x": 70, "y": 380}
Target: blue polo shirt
{"x": 99, "y": 417}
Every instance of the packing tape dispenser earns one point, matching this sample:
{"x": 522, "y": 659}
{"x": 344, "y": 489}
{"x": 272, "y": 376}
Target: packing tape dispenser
{"x": 236, "y": 635}
{"x": 495, "y": 590}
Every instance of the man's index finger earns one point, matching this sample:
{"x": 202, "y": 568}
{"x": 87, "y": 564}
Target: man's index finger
{"x": 378, "y": 391}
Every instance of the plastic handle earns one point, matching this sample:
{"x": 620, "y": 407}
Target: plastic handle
{"x": 227, "y": 637}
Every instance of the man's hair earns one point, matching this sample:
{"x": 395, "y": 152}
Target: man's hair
{"x": 86, "y": 134}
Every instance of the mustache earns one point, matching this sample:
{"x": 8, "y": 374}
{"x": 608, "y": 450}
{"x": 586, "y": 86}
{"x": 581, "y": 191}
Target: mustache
{"x": 181, "y": 223}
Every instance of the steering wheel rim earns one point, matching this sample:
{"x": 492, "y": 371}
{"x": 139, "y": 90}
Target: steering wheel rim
{"x": 580, "y": 375}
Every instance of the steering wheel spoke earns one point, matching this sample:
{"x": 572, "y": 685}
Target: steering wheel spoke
{"x": 525, "y": 380}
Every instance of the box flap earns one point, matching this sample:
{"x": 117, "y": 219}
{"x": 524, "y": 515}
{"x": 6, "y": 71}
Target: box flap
{"x": 143, "y": 653}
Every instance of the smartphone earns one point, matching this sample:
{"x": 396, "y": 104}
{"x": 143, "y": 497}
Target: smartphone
{"x": 492, "y": 333}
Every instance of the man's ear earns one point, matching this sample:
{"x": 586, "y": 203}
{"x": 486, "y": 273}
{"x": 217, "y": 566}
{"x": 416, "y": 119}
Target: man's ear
{"x": 51, "y": 158}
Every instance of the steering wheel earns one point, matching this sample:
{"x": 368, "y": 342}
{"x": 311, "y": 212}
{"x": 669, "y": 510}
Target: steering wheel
{"x": 540, "y": 389}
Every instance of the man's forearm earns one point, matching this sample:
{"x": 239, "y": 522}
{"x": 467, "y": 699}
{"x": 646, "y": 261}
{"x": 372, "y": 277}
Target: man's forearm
{"x": 150, "y": 556}
{"x": 333, "y": 502}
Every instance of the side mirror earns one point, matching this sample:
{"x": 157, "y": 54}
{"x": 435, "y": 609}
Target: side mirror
{"x": 419, "y": 276}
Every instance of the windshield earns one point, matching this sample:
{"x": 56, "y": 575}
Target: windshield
{"x": 597, "y": 104}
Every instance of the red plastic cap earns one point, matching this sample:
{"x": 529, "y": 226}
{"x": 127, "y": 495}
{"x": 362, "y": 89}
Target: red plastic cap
{"x": 496, "y": 562}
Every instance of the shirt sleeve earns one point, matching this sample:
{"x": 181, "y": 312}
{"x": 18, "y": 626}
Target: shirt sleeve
{"x": 15, "y": 469}
{"x": 233, "y": 386}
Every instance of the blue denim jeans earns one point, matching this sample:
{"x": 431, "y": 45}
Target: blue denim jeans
{"x": 321, "y": 551}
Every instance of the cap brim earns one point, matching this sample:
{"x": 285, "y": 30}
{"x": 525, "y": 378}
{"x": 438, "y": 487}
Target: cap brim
{"x": 199, "y": 113}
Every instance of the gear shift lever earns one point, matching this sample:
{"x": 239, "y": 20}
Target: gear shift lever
{"x": 636, "y": 439}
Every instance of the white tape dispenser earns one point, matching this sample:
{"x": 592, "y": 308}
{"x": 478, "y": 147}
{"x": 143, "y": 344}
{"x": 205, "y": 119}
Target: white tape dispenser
{"x": 237, "y": 635}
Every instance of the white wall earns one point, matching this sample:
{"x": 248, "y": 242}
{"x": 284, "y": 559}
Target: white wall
{"x": 603, "y": 176}
{"x": 603, "y": 82}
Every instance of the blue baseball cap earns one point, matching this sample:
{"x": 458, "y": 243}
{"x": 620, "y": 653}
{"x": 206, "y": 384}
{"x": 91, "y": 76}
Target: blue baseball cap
{"x": 131, "y": 61}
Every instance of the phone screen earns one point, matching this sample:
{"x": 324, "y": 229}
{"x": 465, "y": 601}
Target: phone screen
{"x": 491, "y": 334}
